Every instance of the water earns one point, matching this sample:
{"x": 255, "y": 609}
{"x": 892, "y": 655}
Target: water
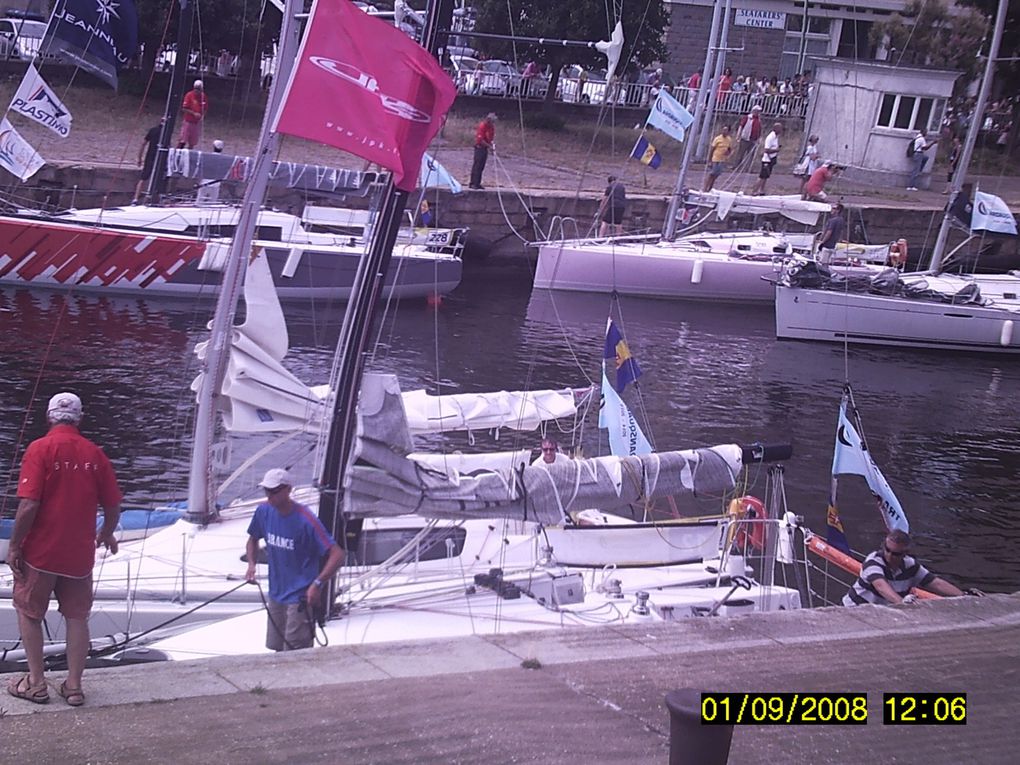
{"x": 943, "y": 427}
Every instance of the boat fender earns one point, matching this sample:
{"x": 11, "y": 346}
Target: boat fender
{"x": 1006, "y": 335}
{"x": 750, "y": 527}
{"x": 699, "y": 267}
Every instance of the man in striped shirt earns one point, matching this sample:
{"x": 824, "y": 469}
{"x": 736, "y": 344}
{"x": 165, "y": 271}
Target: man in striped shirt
{"x": 888, "y": 575}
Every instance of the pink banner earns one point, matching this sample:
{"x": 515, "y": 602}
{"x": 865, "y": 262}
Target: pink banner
{"x": 364, "y": 86}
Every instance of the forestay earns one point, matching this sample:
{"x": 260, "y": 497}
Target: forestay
{"x": 382, "y": 481}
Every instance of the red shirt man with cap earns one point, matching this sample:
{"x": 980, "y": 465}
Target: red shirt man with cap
{"x": 485, "y": 139}
{"x": 296, "y": 543}
{"x": 194, "y": 106}
{"x": 64, "y": 478}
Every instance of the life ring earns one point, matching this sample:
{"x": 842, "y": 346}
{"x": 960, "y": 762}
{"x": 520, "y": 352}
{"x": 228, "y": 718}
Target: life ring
{"x": 898, "y": 253}
{"x": 750, "y": 514}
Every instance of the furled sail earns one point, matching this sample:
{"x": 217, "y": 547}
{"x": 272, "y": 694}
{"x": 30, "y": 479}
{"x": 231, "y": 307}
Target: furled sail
{"x": 382, "y": 480}
{"x": 790, "y": 206}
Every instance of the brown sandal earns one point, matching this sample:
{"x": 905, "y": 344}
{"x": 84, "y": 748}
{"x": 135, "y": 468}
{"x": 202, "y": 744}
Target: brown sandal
{"x": 74, "y": 697}
{"x": 22, "y": 688}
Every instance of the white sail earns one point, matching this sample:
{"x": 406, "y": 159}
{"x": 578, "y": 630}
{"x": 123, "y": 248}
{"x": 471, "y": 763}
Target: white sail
{"x": 789, "y": 206}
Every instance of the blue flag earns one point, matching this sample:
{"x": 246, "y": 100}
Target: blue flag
{"x": 627, "y": 369}
{"x": 99, "y": 36}
{"x": 432, "y": 174}
{"x": 625, "y": 436}
{"x": 647, "y": 153}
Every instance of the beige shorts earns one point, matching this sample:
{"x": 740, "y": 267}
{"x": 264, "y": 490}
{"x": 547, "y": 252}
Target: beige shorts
{"x": 33, "y": 591}
{"x": 290, "y": 626}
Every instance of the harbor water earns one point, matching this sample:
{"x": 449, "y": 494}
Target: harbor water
{"x": 943, "y": 427}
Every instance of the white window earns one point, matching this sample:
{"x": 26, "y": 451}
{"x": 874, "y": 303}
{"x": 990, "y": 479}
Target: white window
{"x": 904, "y": 112}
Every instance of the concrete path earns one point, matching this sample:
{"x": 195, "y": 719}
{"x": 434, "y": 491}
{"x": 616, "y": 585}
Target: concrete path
{"x": 597, "y": 696}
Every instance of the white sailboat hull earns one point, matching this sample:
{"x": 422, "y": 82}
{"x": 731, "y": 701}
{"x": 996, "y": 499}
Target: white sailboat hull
{"x": 830, "y": 316}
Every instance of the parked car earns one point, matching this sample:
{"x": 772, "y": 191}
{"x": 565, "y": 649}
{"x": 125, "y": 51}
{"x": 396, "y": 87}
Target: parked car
{"x": 497, "y": 78}
{"x": 27, "y": 36}
{"x": 464, "y": 73}
{"x": 589, "y": 89}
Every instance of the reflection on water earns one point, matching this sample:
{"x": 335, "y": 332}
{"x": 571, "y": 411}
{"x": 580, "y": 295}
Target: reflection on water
{"x": 943, "y": 427}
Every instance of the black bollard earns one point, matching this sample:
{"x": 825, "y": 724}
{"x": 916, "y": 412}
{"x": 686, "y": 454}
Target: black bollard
{"x": 690, "y": 742}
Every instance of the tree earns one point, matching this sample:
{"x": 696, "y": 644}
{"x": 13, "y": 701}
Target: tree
{"x": 927, "y": 34}
{"x": 585, "y": 20}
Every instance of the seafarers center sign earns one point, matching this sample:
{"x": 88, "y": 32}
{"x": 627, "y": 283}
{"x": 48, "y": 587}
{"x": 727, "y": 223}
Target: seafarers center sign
{"x": 759, "y": 19}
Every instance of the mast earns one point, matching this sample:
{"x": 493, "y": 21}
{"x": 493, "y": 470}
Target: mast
{"x": 355, "y": 331}
{"x": 157, "y": 181}
{"x": 201, "y": 492}
{"x": 669, "y": 227}
{"x": 972, "y": 134}
{"x": 713, "y": 95}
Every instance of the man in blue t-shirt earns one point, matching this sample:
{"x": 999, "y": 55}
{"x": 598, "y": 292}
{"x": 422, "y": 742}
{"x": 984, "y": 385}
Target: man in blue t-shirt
{"x": 296, "y": 542}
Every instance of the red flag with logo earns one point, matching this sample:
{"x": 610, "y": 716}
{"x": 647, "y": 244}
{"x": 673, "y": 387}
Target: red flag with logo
{"x": 364, "y": 86}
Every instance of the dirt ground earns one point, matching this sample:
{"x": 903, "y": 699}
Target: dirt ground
{"x": 109, "y": 128}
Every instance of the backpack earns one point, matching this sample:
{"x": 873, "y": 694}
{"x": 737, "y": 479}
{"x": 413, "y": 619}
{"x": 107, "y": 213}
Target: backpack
{"x": 910, "y": 149}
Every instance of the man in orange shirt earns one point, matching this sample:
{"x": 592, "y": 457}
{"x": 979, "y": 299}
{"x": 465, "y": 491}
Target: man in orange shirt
{"x": 64, "y": 478}
{"x": 814, "y": 189}
{"x": 194, "y": 106}
{"x": 485, "y": 139}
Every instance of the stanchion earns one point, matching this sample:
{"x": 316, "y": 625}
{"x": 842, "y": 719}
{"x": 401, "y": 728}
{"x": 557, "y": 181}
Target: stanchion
{"x": 690, "y": 742}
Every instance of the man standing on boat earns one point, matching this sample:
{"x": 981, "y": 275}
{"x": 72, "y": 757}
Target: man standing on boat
{"x": 830, "y": 235}
{"x": 888, "y": 575}
{"x": 612, "y": 208}
{"x": 147, "y": 158}
{"x": 64, "y": 478}
{"x": 485, "y": 139}
{"x": 769, "y": 157}
{"x": 194, "y": 106}
{"x": 296, "y": 543}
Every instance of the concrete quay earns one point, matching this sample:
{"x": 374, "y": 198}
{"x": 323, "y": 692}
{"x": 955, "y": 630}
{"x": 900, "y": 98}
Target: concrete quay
{"x": 597, "y": 696}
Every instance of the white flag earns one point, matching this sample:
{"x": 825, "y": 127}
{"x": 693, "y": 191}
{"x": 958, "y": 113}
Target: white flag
{"x": 36, "y": 101}
{"x": 669, "y": 116}
{"x": 625, "y": 436}
{"x": 991, "y": 214}
{"x": 16, "y": 154}
{"x": 850, "y": 457}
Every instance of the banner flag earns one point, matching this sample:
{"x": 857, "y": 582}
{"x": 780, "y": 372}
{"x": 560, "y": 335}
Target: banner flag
{"x": 625, "y": 436}
{"x": 99, "y": 36}
{"x": 35, "y": 100}
{"x": 365, "y": 87}
{"x": 646, "y": 153}
{"x": 850, "y": 456}
{"x": 17, "y": 155}
{"x": 627, "y": 368}
{"x": 670, "y": 116}
{"x": 991, "y": 214}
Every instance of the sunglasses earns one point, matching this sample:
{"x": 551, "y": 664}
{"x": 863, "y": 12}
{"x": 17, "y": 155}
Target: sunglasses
{"x": 895, "y": 553}
{"x": 271, "y": 492}
{"x": 552, "y": 449}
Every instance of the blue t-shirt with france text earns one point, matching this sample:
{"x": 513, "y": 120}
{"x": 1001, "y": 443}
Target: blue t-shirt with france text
{"x": 294, "y": 544}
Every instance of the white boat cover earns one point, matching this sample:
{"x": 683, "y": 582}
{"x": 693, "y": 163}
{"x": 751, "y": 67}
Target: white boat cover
{"x": 790, "y": 206}
{"x": 382, "y": 481}
{"x": 259, "y": 395}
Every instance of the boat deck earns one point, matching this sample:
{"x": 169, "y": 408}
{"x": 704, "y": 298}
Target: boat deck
{"x": 596, "y": 697}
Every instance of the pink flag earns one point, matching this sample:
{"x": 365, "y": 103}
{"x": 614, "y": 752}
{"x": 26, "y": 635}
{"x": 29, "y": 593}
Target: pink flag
{"x": 364, "y": 86}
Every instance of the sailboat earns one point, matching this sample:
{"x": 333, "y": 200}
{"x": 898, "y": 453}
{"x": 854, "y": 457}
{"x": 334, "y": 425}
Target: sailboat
{"x": 490, "y": 534}
{"x": 931, "y": 309}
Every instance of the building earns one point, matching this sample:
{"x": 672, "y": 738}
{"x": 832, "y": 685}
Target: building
{"x": 774, "y": 38}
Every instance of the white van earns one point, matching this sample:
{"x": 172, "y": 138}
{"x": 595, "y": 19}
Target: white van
{"x": 21, "y": 38}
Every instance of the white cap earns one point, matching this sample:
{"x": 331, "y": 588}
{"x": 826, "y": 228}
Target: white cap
{"x": 217, "y": 145}
{"x": 275, "y": 477}
{"x": 199, "y": 84}
{"x": 64, "y": 407}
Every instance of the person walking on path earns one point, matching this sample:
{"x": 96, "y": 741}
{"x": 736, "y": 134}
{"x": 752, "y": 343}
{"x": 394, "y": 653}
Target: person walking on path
{"x": 485, "y": 139}
{"x": 64, "y": 478}
{"x": 830, "y": 235}
{"x": 194, "y": 106}
{"x": 749, "y": 131}
{"x": 889, "y": 573}
{"x": 719, "y": 152}
{"x": 296, "y": 543}
{"x": 814, "y": 189}
{"x": 612, "y": 208}
{"x": 769, "y": 157}
{"x": 808, "y": 163}
{"x": 147, "y": 158}
{"x": 918, "y": 158}
{"x": 953, "y": 161}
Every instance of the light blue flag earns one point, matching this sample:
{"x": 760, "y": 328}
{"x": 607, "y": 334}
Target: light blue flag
{"x": 625, "y": 436}
{"x": 434, "y": 174}
{"x": 670, "y": 116}
{"x": 851, "y": 457}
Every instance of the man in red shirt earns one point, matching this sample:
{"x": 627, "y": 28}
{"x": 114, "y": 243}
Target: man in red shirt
{"x": 814, "y": 189}
{"x": 194, "y": 106}
{"x": 64, "y": 478}
{"x": 485, "y": 139}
